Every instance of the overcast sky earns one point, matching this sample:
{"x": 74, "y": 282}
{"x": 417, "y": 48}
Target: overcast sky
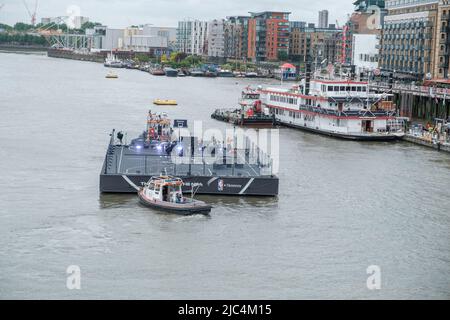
{"x": 122, "y": 13}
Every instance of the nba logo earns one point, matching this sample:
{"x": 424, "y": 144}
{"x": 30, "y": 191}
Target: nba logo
{"x": 220, "y": 185}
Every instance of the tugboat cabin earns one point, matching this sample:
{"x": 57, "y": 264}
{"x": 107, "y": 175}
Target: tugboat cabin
{"x": 166, "y": 189}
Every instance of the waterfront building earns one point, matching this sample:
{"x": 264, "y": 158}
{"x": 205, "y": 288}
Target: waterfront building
{"x": 191, "y": 37}
{"x": 409, "y": 39}
{"x": 55, "y": 20}
{"x": 365, "y": 53}
{"x": 216, "y": 38}
{"x": 144, "y": 43}
{"x": 311, "y": 44}
{"x": 140, "y": 39}
{"x": 366, "y": 19}
{"x": 268, "y": 36}
{"x": 113, "y": 39}
{"x": 323, "y": 19}
{"x": 296, "y": 25}
{"x": 170, "y": 33}
{"x": 236, "y": 37}
{"x": 442, "y": 44}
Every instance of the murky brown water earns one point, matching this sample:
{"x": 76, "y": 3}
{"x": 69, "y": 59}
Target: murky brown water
{"x": 343, "y": 206}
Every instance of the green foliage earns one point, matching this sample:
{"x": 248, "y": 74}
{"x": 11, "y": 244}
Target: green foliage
{"x": 22, "y": 39}
{"x": 142, "y": 58}
{"x": 179, "y": 60}
{"x": 89, "y": 25}
{"x": 283, "y": 55}
{"x": 5, "y": 27}
{"x": 22, "y": 27}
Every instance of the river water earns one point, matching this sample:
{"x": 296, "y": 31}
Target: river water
{"x": 343, "y": 206}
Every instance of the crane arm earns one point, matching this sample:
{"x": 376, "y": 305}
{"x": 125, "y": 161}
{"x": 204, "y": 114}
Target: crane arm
{"x": 26, "y": 7}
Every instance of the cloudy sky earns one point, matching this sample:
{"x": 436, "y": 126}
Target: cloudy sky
{"x": 121, "y": 13}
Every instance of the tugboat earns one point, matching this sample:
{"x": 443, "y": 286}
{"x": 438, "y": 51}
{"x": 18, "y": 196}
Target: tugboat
{"x": 165, "y": 193}
{"x": 250, "y": 112}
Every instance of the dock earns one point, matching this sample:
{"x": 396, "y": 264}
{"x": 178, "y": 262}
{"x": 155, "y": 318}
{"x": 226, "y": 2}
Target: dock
{"x": 429, "y": 143}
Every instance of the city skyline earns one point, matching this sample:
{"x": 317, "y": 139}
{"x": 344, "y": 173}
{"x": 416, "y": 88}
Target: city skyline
{"x": 160, "y": 12}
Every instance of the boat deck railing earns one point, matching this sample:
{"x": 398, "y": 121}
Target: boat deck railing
{"x": 349, "y": 113}
{"x": 242, "y": 163}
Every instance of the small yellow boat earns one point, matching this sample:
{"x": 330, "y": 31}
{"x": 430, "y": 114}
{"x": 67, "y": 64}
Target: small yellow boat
{"x": 160, "y": 102}
{"x": 111, "y": 75}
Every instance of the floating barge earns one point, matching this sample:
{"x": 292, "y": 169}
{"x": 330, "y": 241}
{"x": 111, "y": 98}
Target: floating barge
{"x": 127, "y": 167}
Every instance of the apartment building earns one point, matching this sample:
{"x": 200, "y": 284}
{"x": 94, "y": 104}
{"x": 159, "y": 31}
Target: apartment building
{"x": 367, "y": 18}
{"x": 268, "y": 35}
{"x": 323, "y": 19}
{"x": 409, "y": 39}
{"x": 442, "y": 43}
{"x": 216, "y": 38}
{"x": 192, "y": 37}
{"x": 314, "y": 44}
{"x": 236, "y": 37}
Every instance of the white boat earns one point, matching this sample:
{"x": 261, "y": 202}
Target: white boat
{"x": 339, "y": 108}
{"x": 111, "y": 75}
{"x": 165, "y": 193}
{"x": 111, "y": 61}
{"x": 251, "y": 75}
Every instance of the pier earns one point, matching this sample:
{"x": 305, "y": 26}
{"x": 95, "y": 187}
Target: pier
{"x": 423, "y": 103}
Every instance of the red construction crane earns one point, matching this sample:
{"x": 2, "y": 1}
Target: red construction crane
{"x": 31, "y": 14}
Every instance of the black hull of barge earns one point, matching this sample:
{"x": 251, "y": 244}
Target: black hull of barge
{"x": 267, "y": 122}
{"x": 340, "y": 136}
{"x": 223, "y": 186}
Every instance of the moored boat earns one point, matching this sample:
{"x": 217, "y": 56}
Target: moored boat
{"x": 111, "y": 61}
{"x": 170, "y": 72}
{"x": 165, "y": 193}
{"x": 160, "y": 102}
{"x": 343, "y": 109}
{"x": 157, "y": 72}
{"x": 197, "y": 73}
{"x": 251, "y": 75}
{"x": 225, "y": 74}
{"x": 250, "y": 112}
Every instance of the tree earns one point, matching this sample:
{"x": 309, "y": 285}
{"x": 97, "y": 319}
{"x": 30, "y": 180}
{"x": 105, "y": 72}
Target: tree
{"x": 89, "y": 25}
{"x": 142, "y": 57}
{"x": 20, "y": 26}
{"x": 283, "y": 55}
{"x": 5, "y": 27}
